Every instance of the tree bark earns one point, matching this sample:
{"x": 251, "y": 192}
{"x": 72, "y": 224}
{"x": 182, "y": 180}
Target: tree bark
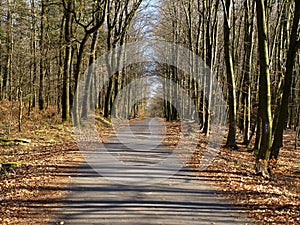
{"x": 41, "y": 84}
{"x": 117, "y": 25}
{"x": 247, "y": 68}
{"x": 265, "y": 115}
{"x": 67, "y": 61}
{"x": 231, "y": 86}
{"x": 6, "y": 82}
{"x": 288, "y": 78}
{"x": 86, "y": 99}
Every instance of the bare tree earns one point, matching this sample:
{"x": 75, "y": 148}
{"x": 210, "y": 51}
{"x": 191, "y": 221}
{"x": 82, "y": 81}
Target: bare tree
{"x": 231, "y": 85}
{"x": 265, "y": 114}
{"x": 288, "y": 78}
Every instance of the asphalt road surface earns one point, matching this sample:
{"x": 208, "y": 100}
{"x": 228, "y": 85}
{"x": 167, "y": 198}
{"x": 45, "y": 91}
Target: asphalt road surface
{"x": 134, "y": 180}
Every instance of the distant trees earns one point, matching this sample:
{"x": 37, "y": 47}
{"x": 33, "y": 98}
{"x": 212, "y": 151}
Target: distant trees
{"x": 251, "y": 47}
{"x": 118, "y": 22}
{"x": 289, "y": 77}
{"x": 256, "y": 63}
{"x": 44, "y": 46}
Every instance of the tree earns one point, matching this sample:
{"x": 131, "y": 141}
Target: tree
{"x": 95, "y": 19}
{"x": 288, "y": 78}
{"x": 68, "y": 6}
{"x": 231, "y": 85}
{"x": 245, "y": 93}
{"x": 118, "y": 22}
{"x": 211, "y": 24}
{"x": 7, "y": 74}
{"x": 265, "y": 115}
{"x": 42, "y": 52}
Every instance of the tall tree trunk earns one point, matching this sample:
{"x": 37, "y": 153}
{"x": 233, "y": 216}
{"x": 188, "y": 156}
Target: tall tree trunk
{"x": 41, "y": 85}
{"x": 60, "y": 70}
{"x": 6, "y": 85}
{"x": 118, "y": 22}
{"x": 265, "y": 114}
{"x": 246, "y": 87}
{"x": 231, "y": 86}
{"x": 211, "y": 41}
{"x": 77, "y": 77}
{"x": 67, "y": 62}
{"x": 288, "y": 78}
{"x": 108, "y": 94}
{"x": 86, "y": 99}
{"x": 33, "y": 71}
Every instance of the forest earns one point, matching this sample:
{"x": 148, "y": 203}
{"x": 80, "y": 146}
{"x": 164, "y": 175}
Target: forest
{"x": 244, "y": 54}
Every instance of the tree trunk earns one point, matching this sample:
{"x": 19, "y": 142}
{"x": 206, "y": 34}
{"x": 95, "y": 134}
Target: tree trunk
{"x": 6, "y": 85}
{"x": 32, "y": 101}
{"x": 67, "y": 62}
{"x": 41, "y": 85}
{"x": 263, "y": 155}
{"x": 231, "y": 138}
{"x": 77, "y": 78}
{"x": 20, "y": 97}
{"x": 246, "y": 87}
{"x": 86, "y": 99}
{"x": 288, "y": 78}
{"x": 211, "y": 41}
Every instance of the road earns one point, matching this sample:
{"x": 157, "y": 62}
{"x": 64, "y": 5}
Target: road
{"x": 144, "y": 183}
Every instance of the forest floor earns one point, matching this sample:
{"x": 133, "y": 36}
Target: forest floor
{"x": 267, "y": 201}
{"x": 39, "y": 175}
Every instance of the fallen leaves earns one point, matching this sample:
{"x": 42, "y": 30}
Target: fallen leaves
{"x": 267, "y": 201}
{"x": 30, "y": 192}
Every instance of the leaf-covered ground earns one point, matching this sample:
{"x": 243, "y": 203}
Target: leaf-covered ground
{"x": 39, "y": 180}
{"x": 267, "y": 201}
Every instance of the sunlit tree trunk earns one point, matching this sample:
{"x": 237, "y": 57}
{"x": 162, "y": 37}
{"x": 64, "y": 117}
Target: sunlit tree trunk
{"x": 67, "y": 61}
{"x": 264, "y": 150}
{"x": 288, "y": 78}
{"x": 87, "y": 93}
{"x": 211, "y": 42}
{"x": 231, "y": 86}
{"x": 247, "y": 69}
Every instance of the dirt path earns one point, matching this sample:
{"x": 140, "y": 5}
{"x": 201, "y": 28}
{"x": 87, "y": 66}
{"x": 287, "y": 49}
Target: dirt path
{"x": 142, "y": 184}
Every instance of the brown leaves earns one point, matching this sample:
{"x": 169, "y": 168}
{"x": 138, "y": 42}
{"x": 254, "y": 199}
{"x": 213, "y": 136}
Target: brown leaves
{"x": 32, "y": 190}
{"x": 268, "y": 201}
